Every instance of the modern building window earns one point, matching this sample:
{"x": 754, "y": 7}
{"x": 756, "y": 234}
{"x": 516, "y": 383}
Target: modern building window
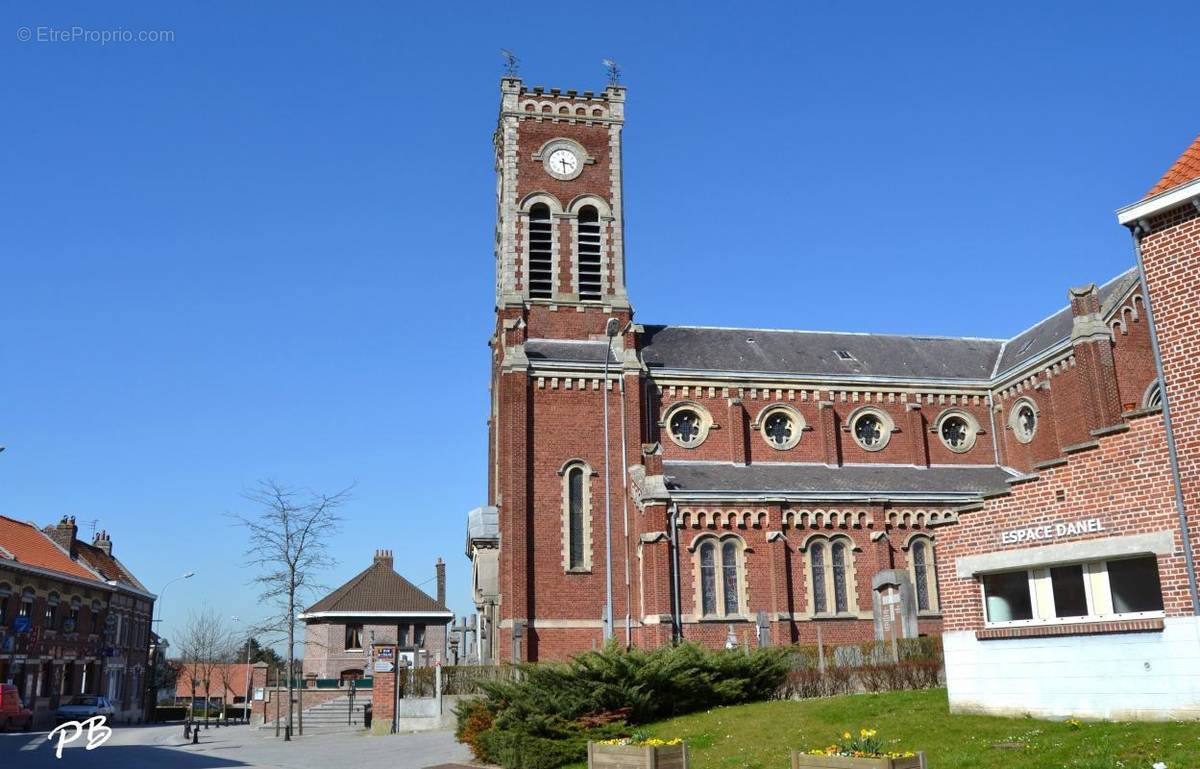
{"x": 871, "y": 427}
{"x": 781, "y": 426}
{"x": 541, "y": 252}
{"x": 1024, "y": 420}
{"x": 1091, "y": 591}
{"x": 589, "y": 253}
{"x": 576, "y": 516}
{"x": 1007, "y": 597}
{"x": 721, "y": 572}
{"x": 687, "y": 424}
{"x": 354, "y": 638}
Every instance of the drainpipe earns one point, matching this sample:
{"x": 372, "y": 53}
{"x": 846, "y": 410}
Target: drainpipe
{"x": 676, "y": 606}
{"x": 1138, "y": 233}
{"x": 992, "y": 419}
{"x": 625, "y": 513}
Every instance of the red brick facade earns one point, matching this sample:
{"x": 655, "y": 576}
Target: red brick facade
{"x": 548, "y": 395}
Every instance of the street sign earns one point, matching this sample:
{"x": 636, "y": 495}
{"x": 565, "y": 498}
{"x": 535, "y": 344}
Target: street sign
{"x": 383, "y": 666}
{"x": 386, "y": 653}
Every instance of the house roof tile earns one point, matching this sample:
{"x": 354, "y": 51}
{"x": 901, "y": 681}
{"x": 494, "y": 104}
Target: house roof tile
{"x": 25, "y": 543}
{"x": 1185, "y": 169}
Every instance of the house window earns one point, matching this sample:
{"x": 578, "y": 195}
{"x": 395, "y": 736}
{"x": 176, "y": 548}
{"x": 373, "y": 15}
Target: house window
{"x": 26, "y": 609}
{"x": 418, "y": 635}
{"x": 354, "y": 637}
{"x": 1024, "y": 420}
{"x": 781, "y": 426}
{"x": 403, "y": 637}
{"x": 577, "y": 516}
{"x": 832, "y": 575}
{"x": 541, "y": 252}
{"x": 51, "y": 614}
{"x": 1074, "y": 592}
{"x": 94, "y": 627}
{"x": 720, "y": 576}
{"x": 589, "y": 253}
{"x": 687, "y": 423}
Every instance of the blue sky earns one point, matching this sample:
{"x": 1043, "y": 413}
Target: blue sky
{"x": 265, "y": 249}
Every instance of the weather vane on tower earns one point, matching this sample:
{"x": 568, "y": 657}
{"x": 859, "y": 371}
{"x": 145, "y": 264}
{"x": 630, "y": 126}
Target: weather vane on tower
{"x": 614, "y": 72}
{"x": 511, "y": 62}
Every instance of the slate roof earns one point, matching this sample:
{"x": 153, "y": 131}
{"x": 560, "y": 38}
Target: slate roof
{"x": 108, "y": 566}
{"x": 1049, "y": 332}
{"x": 25, "y": 543}
{"x": 1185, "y": 169}
{"x": 567, "y": 351}
{"x": 378, "y": 588}
{"x": 876, "y": 480}
{"x": 815, "y": 352}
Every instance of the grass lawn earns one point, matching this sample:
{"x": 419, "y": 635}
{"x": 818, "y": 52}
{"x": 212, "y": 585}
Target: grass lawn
{"x": 760, "y": 735}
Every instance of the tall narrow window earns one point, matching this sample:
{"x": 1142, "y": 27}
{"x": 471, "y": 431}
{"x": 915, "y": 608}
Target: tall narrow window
{"x": 921, "y": 574}
{"x": 541, "y": 253}
{"x": 708, "y": 579}
{"x": 353, "y": 637}
{"x": 575, "y": 513}
{"x": 589, "y": 253}
{"x": 729, "y": 573}
{"x": 820, "y": 605}
{"x": 839, "y": 577}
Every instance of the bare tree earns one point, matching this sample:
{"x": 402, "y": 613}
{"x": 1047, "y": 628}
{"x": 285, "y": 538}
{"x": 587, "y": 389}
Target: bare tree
{"x": 289, "y": 544}
{"x": 202, "y": 645}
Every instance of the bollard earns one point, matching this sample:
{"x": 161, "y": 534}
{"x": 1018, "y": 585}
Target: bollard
{"x": 187, "y": 730}
{"x": 195, "y": 736}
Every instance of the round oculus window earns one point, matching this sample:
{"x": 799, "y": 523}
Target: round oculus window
{"x": 686, "y": 427}
{"x": 957, "y": 433}
{"x": 869, "y": 431}
{"x": 1025, "y": 422}
{"x": 781, "y": 429}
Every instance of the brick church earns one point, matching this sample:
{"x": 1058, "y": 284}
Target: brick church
{"x": 745, "y": 486}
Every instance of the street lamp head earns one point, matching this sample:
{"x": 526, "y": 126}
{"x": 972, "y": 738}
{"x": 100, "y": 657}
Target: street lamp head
{"x": 189, "y": 575}
{"x": 611, "y": 327}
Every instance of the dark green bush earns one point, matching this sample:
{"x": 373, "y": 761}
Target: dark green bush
{"x": 545, "y": 716}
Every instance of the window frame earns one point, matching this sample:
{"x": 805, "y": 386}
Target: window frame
{"x": 828, "y": 576}
{"x": 346, "y": 636}
{"x": 799, "y": 425}
{"x": 720, "y": 598}
{"x": 887, "y": 426}
{"x": 973, "y": 429}
{"x": 1097, "y": 590}
{"x": 570, "y": 466}
{"x": 1014, "y": 422}
{"x": 705, "y": 423}
{"x": 931, "y": 577}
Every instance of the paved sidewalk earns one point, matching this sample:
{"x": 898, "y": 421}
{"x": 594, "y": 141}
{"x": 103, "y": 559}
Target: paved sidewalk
{"x": 163, "y": 747}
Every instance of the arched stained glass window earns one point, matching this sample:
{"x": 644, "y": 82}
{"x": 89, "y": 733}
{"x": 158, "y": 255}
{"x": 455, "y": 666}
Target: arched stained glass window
{"x": 820, "y": 604}
{"x": 575, "y": 513}
{"x": 729, "y": 572}
{"x": 921, "y": 574}
{"x": 839, "y": 577}
{"x": 708, "y": 579}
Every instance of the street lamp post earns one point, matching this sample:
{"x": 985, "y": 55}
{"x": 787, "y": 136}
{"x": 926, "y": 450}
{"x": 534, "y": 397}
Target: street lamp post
{"x": 152, "y": 700}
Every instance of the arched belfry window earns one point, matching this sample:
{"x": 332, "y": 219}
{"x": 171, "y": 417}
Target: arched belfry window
{"x": 720, "y": 579}
{"x": 589, "y": 253}
{"x": 541, "y": 252}
{"x": 577, "y": 516}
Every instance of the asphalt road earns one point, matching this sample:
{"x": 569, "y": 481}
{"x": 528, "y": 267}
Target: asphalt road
{"x": 163, "y": 747}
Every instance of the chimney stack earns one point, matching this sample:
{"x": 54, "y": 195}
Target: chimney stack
{"x": 440, "y": 568}
{"x": 103, "y": 542}
{"x": 384, "y": 557}
{"x": 64, "y": 533}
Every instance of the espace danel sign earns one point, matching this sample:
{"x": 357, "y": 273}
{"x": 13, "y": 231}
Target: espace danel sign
{"x": 1050, "y": 531}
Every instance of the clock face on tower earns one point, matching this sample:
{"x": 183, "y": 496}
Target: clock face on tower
{"x": 563, "y": 159}
{"x": 562, "y": 162}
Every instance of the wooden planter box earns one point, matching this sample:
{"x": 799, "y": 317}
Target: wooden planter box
{"x": 637, "y": 756}
{"x": 805, "y": 761}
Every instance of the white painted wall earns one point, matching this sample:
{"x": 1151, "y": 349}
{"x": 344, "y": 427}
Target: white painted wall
{"x": 1128, "y": 676}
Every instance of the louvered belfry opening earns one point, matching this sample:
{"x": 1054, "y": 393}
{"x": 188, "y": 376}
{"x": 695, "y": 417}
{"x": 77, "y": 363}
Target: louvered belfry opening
{"x": 541, "y": 253}
{"x": 589, "y": 253}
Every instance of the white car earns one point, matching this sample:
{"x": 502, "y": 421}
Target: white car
{"x": 82, "y": 707}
